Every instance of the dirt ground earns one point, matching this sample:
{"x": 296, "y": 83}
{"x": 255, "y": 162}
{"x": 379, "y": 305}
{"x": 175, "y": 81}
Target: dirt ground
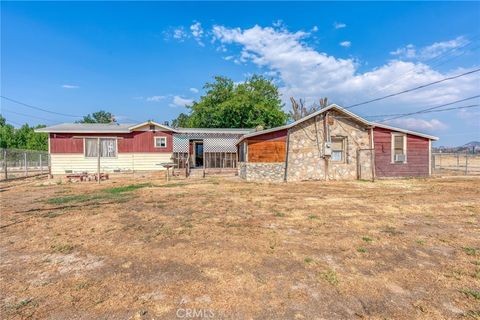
{"x": 220, "y": 248}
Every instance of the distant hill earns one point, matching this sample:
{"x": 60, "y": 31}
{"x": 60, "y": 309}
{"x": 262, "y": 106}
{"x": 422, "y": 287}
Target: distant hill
{"x": 471, "y": 147}
{"x": 475, "y": 144}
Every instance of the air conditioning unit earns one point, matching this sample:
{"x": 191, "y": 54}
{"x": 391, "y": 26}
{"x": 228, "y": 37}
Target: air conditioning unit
{"x": 399, "y": 158}
{"x": 327, "y": 149}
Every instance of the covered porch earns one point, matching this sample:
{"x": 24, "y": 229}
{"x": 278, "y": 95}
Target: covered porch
{"x": 207, "y": 152}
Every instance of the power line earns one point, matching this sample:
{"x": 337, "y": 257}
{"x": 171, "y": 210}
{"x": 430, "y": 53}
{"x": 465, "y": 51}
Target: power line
{"x": 38, "y": 108}
{"x": 436, "y": 64}
{"x": 27, "y": 115}
{"x": 430, "y": 111}
{"x": 413, "y": 89}
{"x": 14, "y": 122}
{"x": 426, "y": 109}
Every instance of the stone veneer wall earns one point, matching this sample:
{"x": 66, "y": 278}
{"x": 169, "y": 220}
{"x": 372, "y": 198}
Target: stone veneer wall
{"x": 262, "y": 171}
{"x": 305, "y": 155}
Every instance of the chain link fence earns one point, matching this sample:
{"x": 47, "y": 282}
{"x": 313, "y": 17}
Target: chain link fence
{"x": 16, "y": 163}
{"x": 456, "y": 163}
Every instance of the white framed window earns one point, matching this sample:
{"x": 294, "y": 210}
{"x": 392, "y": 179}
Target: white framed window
{"x": 108, "y": 147}
{"x": 338, "y": 149}
{"x": 160, "y": 142}
{"x": 399, "y": 148}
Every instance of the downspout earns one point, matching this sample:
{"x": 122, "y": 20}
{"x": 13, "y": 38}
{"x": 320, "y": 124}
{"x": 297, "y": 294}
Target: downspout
{"x": 285, "y": 175}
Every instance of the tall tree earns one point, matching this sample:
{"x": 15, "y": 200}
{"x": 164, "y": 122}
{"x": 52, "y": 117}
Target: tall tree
{"x": 7, "y": 134}
{"x": 98, "y": 117}
{"x": 24, "y": 137}
{"x": 255, "y": 102}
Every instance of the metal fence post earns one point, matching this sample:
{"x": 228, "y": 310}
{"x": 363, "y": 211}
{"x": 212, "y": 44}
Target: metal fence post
{"x": 41, "y": 164}
{"x": 5, "y": 166}
{"x": 466, "y": 163}
{"x": 26, "y": 164}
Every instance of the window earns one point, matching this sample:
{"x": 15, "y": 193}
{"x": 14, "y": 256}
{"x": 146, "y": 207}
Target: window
{"x": 108, "y": 147}
{"x": 338, "y": 149}
{"x": 242, "y": 156}
{"x": 399, "y": 148}
{"x": 160, "y": 142}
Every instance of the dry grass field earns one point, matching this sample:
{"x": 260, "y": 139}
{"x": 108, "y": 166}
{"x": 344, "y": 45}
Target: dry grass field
{"x": 219, "y": 248}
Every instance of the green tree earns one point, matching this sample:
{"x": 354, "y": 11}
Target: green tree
{"x": 98, "y": 117}
{"x": 23, "y": 138}
{"x": 255, "y": 102}
{"x": 7, "y": 134}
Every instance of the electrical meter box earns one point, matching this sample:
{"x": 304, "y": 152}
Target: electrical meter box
{"x": 327, "y": 149}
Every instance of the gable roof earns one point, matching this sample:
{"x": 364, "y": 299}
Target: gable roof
{"x": 87, "y": 128}
{"x": 341, "y": 110}
{"x": 129, "y": 127}
{"x": 149, "y": 123}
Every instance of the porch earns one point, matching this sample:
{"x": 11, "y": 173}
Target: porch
{"x": 200, "y": 154}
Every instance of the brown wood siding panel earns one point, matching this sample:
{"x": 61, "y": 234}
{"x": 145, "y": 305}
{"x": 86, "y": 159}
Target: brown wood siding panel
{"x": 417, "y": 156}
{"x": 268, "y": 147}
{"x": 280, "y": 135}
{"x": 266, "y": 151}
{"x": 137, "y": 141}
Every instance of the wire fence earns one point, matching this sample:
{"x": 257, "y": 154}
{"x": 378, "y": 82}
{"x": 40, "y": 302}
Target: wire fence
{"x": 456, "y": 163}
{"x": 16, "y": 163}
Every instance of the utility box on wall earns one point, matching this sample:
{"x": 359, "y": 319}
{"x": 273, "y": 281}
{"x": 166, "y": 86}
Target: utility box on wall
{"x": 327, "y": 150}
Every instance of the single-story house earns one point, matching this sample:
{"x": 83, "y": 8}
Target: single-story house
{"x": 332, "y": 143}
{"x": 74, "y": 147}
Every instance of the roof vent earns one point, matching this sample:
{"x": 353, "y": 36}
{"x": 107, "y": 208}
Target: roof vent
{"x": 152, "y": 127}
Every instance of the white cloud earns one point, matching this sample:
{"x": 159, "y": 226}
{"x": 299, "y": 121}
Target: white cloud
{"x": 70, "y": 86}
{"x": 346, "y": 44}
{"x": 408, "y": 51}
{"x": 416, "y": 124}
{"x": 179, "y": 34}
{"x": 194, "y": 90}
{"x": 311, "y": 74}
{"x": 180, "y": 102}
{"x": 197, "y": 32}
{"x": 314, "y": 29}
{"x": 155, "y": 98}
{"x": 431, "y": 51}
{"x": 339, "y": 25}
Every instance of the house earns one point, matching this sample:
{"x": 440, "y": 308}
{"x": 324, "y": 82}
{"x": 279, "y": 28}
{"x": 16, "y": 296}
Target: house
{"x": 330, "y": 144}
{"x": 333, "y": 144}
{"x": 74, "y": 147}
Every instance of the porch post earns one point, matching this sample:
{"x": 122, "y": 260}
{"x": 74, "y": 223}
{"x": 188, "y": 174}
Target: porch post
{"x": 98, "y": 159}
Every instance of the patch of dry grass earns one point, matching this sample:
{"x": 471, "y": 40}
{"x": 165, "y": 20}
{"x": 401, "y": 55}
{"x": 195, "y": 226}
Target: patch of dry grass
{"x": 145, "y": 249}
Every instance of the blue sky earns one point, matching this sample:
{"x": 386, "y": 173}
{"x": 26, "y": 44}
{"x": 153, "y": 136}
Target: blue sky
{"x": 146, "y": 60}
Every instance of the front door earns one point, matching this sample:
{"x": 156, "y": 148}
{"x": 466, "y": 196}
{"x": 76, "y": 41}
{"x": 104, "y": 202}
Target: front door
{"x": 198, "y": 154}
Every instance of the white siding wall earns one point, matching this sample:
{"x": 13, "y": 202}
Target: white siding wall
{"x": 60, "y": 162}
